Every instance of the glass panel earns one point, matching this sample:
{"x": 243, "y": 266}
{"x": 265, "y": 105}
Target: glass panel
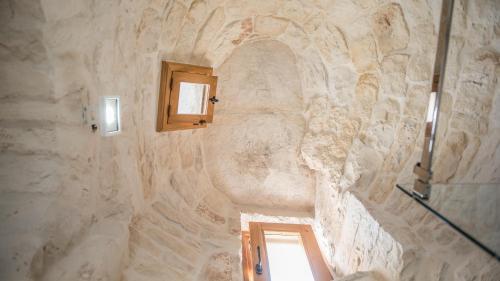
{"x": 471, "y": 209}
{"x": 111, "y": 117}
{"x": 193, "y": 98}
{"x": 287, "y": 257}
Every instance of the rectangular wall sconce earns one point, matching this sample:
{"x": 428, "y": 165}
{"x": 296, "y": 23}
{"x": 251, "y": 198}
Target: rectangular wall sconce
{"x": 109, "y": 109}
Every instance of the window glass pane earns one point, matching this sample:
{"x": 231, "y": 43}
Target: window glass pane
{"x": 193, "y": 98}
{"x": 287, "y": 257}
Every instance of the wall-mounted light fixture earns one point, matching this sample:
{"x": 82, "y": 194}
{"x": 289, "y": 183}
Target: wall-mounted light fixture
{"x": 109, "y": 111}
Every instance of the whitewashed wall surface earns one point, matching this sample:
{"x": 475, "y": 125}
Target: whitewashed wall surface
{"x": 321, "y": 113}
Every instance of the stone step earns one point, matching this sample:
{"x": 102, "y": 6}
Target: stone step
{"x": 170, "y": 215}
{"x": 183, "y": 246}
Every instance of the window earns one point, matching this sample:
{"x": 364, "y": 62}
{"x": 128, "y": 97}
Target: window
{"x": 187, "y": 97}
{"x": 281, "y": 252}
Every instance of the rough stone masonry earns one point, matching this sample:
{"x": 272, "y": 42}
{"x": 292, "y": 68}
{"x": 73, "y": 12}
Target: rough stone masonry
{"x": 321, "y": 113}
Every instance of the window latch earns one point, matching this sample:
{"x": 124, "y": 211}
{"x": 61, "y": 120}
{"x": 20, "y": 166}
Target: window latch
{"x": 213, "y": 100}
{"x": 258, "y": 266}
{"x": 201, "y": 122}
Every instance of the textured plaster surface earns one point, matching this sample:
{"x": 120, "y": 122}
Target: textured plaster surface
{"x": 321, "y": 112}
{"x": 253, "y": 148}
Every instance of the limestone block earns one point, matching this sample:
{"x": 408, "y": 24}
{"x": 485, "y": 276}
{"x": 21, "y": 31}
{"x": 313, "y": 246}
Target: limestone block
{"x": 423, "y": 38}
{"x": 382, "y": 187}
{"x": 403, "y": 145}
{"x": 170, "y": 26}
{"x": 364, "y": 53}
{"x": 362, "y": 244}
{"x": 477, "y": 264}
{"x": 344, "y": 12}
{"x": 295, "y": 37}
{"x": 367, "y": 4}
{"x": 366, "y": 95}
{"x": 148, "y": 31}
{"x": 393, "y": 75}
{"x": 332, "y": 45}
{"x": 454, "y": 61}
{"x": 271, "y": 26}
{"x": 182, "y": 248}
{"x": 195, "y": 16}
{"x": 237, "y": 9}
{"x": 449, "y": 156}
{"x": 362, "y": 164}
{"x": 391, "y": 31}
{"x": 231, "y": 35}
{"x": 182, "y": 186}
{"x": 311, "y": 67}
{"x": 469, "y": 153}
{"x": 362, "y": 276}
{"x": 342, "y": 84}
{"x": 174, "y": 215}
{"x": 296, "y": 10}
{"x": 470, "y": 111}
{"x": 208, "y": 32}
{"x": 417, "y": 102}
{"x": 203, "y": 210}
{"x": 419, "y": 68}
{"x": 379, "y": 136}
{"x": 326, "y": 149}
{"x": 221, "y": 267}
{"x": 387, "y": 111}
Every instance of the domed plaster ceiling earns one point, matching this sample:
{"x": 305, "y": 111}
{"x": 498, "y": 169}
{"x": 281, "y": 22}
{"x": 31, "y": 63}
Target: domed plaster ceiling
{"x": 253, "y": 147}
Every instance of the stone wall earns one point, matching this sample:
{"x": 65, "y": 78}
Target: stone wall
{"x": 148, "y": 206}
{"x": 78, "y": 206}
{"x": 61, "y": 192}
{"x": 372, "y": 226}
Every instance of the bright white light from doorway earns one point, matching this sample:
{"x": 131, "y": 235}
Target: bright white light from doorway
{"x": 287, "y": 257}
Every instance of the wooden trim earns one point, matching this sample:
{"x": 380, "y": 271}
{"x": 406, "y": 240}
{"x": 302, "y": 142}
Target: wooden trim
{"x": 317, "y": 263}
{"x": 282, "y": 227}
{"x": 212, "y": 93}
{"x": 167, "y": 68}
{"x": 257, "y": 239}
{"x": 316, "y": 260}
{"x": 183, "y": 126}
{"x": 246, "y": 259}
{"x": 162, "y": 115}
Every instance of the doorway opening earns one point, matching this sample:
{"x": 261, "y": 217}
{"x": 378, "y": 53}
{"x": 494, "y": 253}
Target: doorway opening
{"x": 279, "y": 252}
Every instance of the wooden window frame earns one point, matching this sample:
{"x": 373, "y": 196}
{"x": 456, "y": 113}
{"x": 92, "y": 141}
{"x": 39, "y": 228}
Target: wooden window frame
{"x": 167, "y": 98}
{"x": 177, "y": 79}
{"x": 255, "y": 237}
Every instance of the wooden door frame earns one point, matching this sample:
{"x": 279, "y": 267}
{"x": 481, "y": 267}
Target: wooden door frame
{"x": 317, "y": 263}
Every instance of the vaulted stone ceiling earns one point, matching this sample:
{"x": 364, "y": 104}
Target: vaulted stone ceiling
{"x": 253, "y": 147}
{"x": 321, "y": 107}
